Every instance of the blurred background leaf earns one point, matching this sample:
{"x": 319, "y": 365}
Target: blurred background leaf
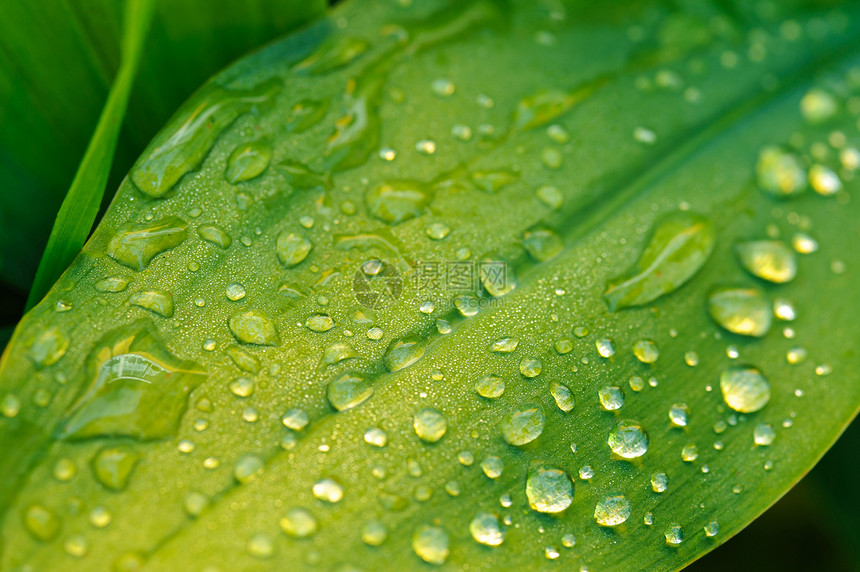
{"x": 66, "y": 74}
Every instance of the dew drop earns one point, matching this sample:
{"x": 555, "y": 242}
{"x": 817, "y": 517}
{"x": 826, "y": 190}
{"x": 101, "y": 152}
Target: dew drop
{"x": 492, "y": 467}
{"x": 40, "y": 522}
{"x": 780, "y": 173}
{"x": 628, "y": 439}
{"x": 523, "y": 424}
{"x": 549, "y": 489}
{"x": 374, "y": 533}
{"x": 486, "y": 529}
{"x": 504, "y": 345}
{"x": 611, "y": 398}
{"x": 674, "y": 535}
{"x": 248, "y": 467}
{"x": 328, "y": 490}
{"x": 659, "y": 482}
{"x": 215, "y": 235}
{"x": 298, "y": 522}
{"x": 769, "y": 260}
{"x": 319, "y": 323}
{"x": 530, "y": 367}
{"x": 646, "y": 351}
{"x": 612, "y": 510}
{"x": 744, "y": 311}
{"x": 248, "y": 161}
{"x": 430, "y": 424}
{"x": 348, "y": 390}
{"x": 763, "y": 435}
{"x": 563, "y": 396}
{"x": 113, "y": 466}
{"x": 292, "y": 249}
{"x": 430, "y": 544}
{"x": 235, "y": 292}
{"x": 679, "y": 414}
{"x": 744, "y": 389}
{"x": 490, "y": 386}
{"x": 550, "y": 196}
{"x": 134, "y": 246}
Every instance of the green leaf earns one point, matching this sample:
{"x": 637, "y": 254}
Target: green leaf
{"x": 58, "y": 67}
{"x": 390, "y": 348}
{"x": 78, "y": 211}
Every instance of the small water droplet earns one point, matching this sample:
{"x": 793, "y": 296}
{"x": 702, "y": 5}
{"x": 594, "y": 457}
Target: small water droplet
{"x": 113, "y": 466}
{"x": 628, "y": 439}
{"x": 611, "y": 398}
{"x": 292, "y": 249}
{"x": 504, "y": 345}
{"x": 659, "y": 482}
{"x": 780, "y": 173}
{"x": 763, "y": 435}
{"x": 744, "y": 311}
{"x": 248, "y": 161}
{"x": 674, "y": 535}
{"x": 818, "y": 106}
{"x": 430, "y": 544}
{"x": 769, "y": 260}
{"x": 646, "y": 351}
{"x": 348, "y": 390}
{"x": 492, "y": 467}
{"x": 235, "y": 292}
{"x": 530, "y": 367}
{"x": 689, "y": 453}
{"x": 328, "y": 490}
{"x": 298, "y": 522}
{"x": 41, "y": 522}
{"x": 679, "y": 414}
{"x": 486, "y": 529}
{"x": 712, "y": 528}
{"x": 563, "y": 396}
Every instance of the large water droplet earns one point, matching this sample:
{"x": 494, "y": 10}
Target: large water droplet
{"x": 628, "y": 439}
{"x": 678, "y": 247}
{"x": 744, "y": 389}
{"x": 770, "y": 260}
{"x": 215, "y": 235}
{"x": 549, "y": 489}
{"x": 348, "y": 391}
{"x": 743, "y": 311}
{"x": 319, "y": 323}
{"x": 113, "y": 466}
{"x": 490, "y": 386}
{"x": 504, "y": 345}
{"x": 430, "y": 543}
{"x": 136, "y": 245}
{"x": 530, "y": 367}
{"x": 248, "y": 161}
{"x": 563, "y": 396}
{"x": 41, "y": 522}
{"x": 253, "y": 328}
{"x": 679, "y": 414}
{"x": 156, "y": 301}
{"x": 136, "y": 389}
{"x": 334, "y": 53}
{"x": 403, "y": 353}
{"x": 646, "y": 351}
{"x": 299, "y": 523}
{"x": 374, "y": 533}
{"x": 780, "y": 173}
{"x": 659, "y": 482}
{"x": 48, "y": 347}
{"x": 486, "y": 529}
{"x": 611, "y": 398}
{"x": 292, "y": 248}
{"x": 398, "y": 201}
{"x": 112, "y": 284}
{"x": 429, "y": 424}
{"x": 542, "y": 243}
{"x": 523, "y": 425}
{"x": 181, "y": 146}
{"x": 612, "y": 510}
{"x": 328, "y": 490}
{"x": 674, "y": 535}
{"x": 763, "y": 435}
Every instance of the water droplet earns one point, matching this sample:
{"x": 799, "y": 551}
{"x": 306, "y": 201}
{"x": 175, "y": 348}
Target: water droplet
{"x": 300, "y": 176}
{"x": 504, "y": 345}
{"x": 744, "y": 389}
{"x": 319, "y": 323}
{"x": 542, "y": 243}
{"x": 605, "y": 347}
{"x": 403, "y": 353}
{"x": 292, "y": 249}
{"x": 429, "y": 424}
{"x": 425, "y": 146}
{"x": 628, "y": 439}
{"x": 611, "y": 398}
{"x": 644, "y": 135}
{"x": 689, "y": 453}
{"x": 235, "y": 292}
{"x": 493, "y": 467}
{"x": 646, "y": 351}
{"x": 691, "y": 358}
{"x": 253, "y": 328}
{"x": 134, "y": 246}
{"x": 182, "y": 146}
{"x": 763, "y": 435}
{"x": 76, "y": 545}
{"x": 586, "y": 472}
{"x": 333, "y": 53}
{"x": 248, "y": 467}
{"x": 260, "y": 546}
{"x": 678, "y": 247}
{"x": 679, "y": 414}
{"x": 712, "y": 528}
{"x": 493, "y": 181}
{"x": 41, "y": 522}
{"x": 612, "y": 510}
{"x": 328, "y": 490}
{"x": 248, "y": 161}
{"x": 486, "y": 529}
{"x": 769, "y": 260}
{"x": 156, "y": 301}
{"x": 796, "y": 355}
{"x": 563, "y": 396}
{"x": 438, "y": 230}
{"x": 530, "y": 367}
{"x": 299, "y": 523}
{"x": 818, "y": 106}
{"x": 397, "y": 201}
{"x": 242, "y": 387}
{"x": 546, "y": 105}
{"x": 490, "y": 386}
{"x": 348, "y": 390}
{"x": 100, "y": 517}
{"x": 780, "y": 173}
{"x": 523, "y": 424}
{"x": 548, "y": 488}
{"x": 824, "y": 180}
{"x": 113, "y": 466}
{"x": 216, "y": 235}
{"x": 497, "y": 276}
{"x": 430, "y": 544}
{"x": 374, "y": 533}
{"x": 112, "y": 284}
{"x": 659, "y": 482}
{"x": 467, "y": 305}
{"x": 48, "y": 347}
{"x": 674, "y": 535}
{"x": 125, "y": 390}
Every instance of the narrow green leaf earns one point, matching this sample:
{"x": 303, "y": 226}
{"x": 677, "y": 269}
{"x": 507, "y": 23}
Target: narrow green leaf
{"x": 391, "y": 349}
{"x": 78, "y": 211}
